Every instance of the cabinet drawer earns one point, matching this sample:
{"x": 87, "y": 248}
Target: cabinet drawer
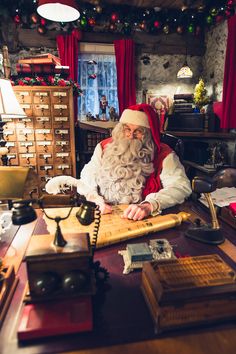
{"x": 43, "y": 134}
{"x": 62, "y": 134}
{"x": 9, "y": 134}
{"x": 62, "y": 157}
{"x": 62, "y": 145}
{"x": 46, "y": 170}
{"x": 27, "y": 159}
{"x": 28, "y": 108}
{"x": 25, "y": 123}
{"x": 41, "y": 97}
{"x": 25, "y": 134}
{"x": 60, "y": 97}
{"x": 23, "y": 96}
{"x": 60, "y": 110}
{"x": 62, "y": 169}
{"x": 45, "y": 158}
{"x": 13, "y": 159}
{"x": 12, "y": 147}
{"x": 41, "y": 110}
{"x": 61, "y": 122}
{"x": 26, "y": 146}
{"x": 44, "y": 146}
{"x": 43, "y": 122}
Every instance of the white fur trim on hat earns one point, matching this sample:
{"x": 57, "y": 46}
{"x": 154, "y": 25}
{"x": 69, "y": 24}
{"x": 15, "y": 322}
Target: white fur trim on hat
{"x": 130, "y": 116}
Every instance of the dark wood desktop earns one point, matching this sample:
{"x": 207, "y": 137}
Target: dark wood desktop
{"x": 122, "y": 322}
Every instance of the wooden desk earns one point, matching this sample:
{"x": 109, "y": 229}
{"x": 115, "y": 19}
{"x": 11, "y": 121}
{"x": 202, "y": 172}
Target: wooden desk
{"x": 122, "y": 320}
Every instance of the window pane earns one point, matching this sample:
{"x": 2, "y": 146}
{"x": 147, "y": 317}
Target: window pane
{"x": 97, "y": 80}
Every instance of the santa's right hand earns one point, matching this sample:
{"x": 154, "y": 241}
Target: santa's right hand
{"x": 98, "y": 200}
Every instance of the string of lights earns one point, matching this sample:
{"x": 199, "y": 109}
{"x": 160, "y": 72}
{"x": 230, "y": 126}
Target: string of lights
{"x": 124, "y": 19}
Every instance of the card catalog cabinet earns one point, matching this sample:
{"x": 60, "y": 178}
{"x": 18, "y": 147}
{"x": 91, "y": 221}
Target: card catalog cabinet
{"x": 44, "y": 140}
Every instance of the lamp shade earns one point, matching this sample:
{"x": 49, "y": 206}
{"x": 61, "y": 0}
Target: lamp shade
{"x": 9, "y": 106}
{"x": 185, "y": 72}
{"x": 58, "y": 10}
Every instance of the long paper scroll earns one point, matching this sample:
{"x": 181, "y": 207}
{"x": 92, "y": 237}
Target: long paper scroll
{"x": 113, "y": 228}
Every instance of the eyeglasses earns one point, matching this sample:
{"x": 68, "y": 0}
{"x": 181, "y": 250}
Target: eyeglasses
{"x": 136, "y": 133}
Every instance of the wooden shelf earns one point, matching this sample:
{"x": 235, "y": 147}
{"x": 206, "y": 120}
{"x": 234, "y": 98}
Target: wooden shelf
{"x": 202, "y": 135}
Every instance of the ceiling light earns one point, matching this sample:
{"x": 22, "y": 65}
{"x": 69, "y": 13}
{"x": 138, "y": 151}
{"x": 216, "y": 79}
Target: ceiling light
{"x": 58, "y": 10}
{"x": 185, "y": 72}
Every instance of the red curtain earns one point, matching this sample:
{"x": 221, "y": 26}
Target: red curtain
{"x": 68, "y": 48}
{"x": 229, "y": 88}
{"x": 125, "y": 66}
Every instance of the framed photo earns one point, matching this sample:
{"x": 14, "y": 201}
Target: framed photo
{"x": 161, "y": 104}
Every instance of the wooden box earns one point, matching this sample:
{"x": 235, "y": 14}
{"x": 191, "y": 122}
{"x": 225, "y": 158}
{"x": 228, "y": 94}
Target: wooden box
{"x": 189, "y": 291}
{"x": 59, "y": 272}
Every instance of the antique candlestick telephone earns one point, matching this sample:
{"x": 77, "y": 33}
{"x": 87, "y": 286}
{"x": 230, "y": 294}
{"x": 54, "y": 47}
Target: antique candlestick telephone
{"x": 56, "y": 267}
{"x": 211, "y": 234}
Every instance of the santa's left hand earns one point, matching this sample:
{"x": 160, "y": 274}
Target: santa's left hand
{"x": 137, "y": 211}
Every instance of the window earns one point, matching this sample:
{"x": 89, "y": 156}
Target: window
{"x": 97, "y": 77}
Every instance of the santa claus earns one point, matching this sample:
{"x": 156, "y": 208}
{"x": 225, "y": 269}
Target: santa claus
{"x": 133, "y": 167}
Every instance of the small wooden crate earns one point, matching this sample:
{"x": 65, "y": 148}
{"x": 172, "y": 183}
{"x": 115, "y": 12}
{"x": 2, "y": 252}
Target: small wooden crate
{"x": 189, "y": 291}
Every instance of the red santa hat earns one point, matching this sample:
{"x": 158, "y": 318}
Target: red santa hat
{"x": 144, "y": 115}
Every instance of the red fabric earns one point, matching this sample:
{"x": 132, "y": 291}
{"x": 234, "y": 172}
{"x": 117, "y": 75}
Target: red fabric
{"x": 153, "y": 183}
{"x": 229, "y": 87}
{"x": 218, "y": 109}
{"x": 125, "y": 66}
{"x": 68, "y": 48}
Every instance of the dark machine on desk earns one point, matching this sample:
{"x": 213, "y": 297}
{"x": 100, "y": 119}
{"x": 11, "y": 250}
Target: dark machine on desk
{"x": 211, "y": 234}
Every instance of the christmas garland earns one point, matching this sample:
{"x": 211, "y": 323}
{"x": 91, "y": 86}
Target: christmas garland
{"x": 47, "y": 81}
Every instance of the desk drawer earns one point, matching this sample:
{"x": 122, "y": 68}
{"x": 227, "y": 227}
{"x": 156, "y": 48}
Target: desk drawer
{"x": 45, "y": 158}
{"x": 26, "y": 146}
{"x": 61, "y": 122}
{"x": 41, "y": 97}
{"x": 26, "y": 134}
{"x": 44, "y": 146}
{"x": 27, "y": 159}
{"x": 43, "y": 134}
{"x": 43, "y": 122}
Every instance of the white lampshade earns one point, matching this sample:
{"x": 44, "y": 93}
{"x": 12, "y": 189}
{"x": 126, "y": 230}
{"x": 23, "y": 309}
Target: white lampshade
{"x": 185, "y": 72}
{"x": 58, "y": 10}
{"x": 9, "y": 106}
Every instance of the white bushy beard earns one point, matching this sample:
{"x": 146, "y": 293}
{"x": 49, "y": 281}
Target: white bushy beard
{"x": 126, "y": 163}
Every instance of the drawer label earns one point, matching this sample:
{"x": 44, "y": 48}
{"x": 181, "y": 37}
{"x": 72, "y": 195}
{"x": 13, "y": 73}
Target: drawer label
{"x": 59, "y": 94}
{"x": 44, "y": 143}
{"x": 11, "y": 156}
{"x": 43, "y": 131}
{"x": 42, "y": 119}
{"x": 61, "y": 119}
{"x": 26, "y": 131}
{"x": 45, "y": 156}
{"x": 27, "y": 156}
{"x": 60, "y": 106}
{"x": 62, "y": 154}
{"x": 62, "y": 143}
{"x": 63, "y": 167}
{"x": 10, "y": 144}
{"x": 46, "y": 167}
{"x": 23, "y": 93}
{"x": 42, "y": 106}
{"x": 25, "y": 106}
{"x": 61, "y": 131}
{"x": 8, "y": 132}
{"x": 26, "y": 143}
{"x": 41, "y": 93}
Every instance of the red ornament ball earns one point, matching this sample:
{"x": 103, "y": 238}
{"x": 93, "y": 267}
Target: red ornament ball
{"x": 156, "y": 24}
{"x": 114, "y": 17}
{"x": 91, "y": 21}
{"x": 43, "y": 21}
{"x": 17, "y": 19}
{"x": 180, "y": 29}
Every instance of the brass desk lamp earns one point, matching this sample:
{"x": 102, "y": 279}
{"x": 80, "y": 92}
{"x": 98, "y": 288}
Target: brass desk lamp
{"x": 206, "y": 233}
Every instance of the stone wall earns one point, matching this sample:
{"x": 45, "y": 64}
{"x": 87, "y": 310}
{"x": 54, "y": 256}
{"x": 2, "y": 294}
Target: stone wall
{"x": 160, "y": 75}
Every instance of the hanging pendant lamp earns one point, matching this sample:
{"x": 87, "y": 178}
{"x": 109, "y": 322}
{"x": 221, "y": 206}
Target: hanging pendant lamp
{"x": 185, "y": 72}
{"x": 58, "y": 10}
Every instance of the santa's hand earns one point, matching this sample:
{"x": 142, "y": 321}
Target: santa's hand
{"x": 98, "y": 200}
{"x": 137, "y": 211}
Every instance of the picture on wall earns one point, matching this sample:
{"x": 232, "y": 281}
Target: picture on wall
{"x": 161, "y": 104}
